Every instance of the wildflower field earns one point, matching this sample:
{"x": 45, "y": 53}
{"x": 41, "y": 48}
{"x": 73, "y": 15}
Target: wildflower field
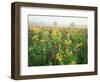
{"x": 57, "y": 45}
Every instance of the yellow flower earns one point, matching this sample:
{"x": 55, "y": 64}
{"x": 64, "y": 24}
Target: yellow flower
{"x": 42, "y": 40}
{"x": 67, "y": 42}
{"x": 54, "y": 32}
{"x": 46, "y": 33}
{"x": 35, "y": 37}
{"x": 73, "y": 62}
{"x": 78, "y": 45}
{"x": 36, "y": 30}
{"x": 71, "y": 53}
{"x": 59, "y": 35}
{"x": 59, "y": 56}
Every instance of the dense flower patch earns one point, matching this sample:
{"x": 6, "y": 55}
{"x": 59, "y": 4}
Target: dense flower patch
{"x": 57, "y": 46}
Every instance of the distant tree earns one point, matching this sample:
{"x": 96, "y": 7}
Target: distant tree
{"x": 72, "y": 24}
{"x": 55, "y": 24}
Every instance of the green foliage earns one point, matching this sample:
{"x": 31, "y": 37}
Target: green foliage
{"x": 57, "y": 46}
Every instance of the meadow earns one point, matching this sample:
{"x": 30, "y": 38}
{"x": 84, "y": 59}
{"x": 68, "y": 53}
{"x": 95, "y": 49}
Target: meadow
{"x": 57, "y": 45}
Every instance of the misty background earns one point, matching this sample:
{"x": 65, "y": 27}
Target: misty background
{"x": 39, "y": 20}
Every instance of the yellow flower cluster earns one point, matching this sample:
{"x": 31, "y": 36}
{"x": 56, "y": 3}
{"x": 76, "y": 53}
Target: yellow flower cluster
{"x": 73, "y": 62}
{"x": 70, "y": 53}
{"x": 67, "y": 42}
{"x": 36, "y": 30}
{"x": 78, "y": 45}
{"x": 59, "y": 56}
{"x": 35, "y": 37}
{"x": 54, "y": 32}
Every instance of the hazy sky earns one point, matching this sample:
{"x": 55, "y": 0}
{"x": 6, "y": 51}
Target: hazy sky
{"x": 59, "y": 19}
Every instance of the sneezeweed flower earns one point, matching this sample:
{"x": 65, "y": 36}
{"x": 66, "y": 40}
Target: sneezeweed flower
{"x": 59, "y": 56}
{"x": 67, "y": 42}
{"x": 73, "y": 62}
{"x": 54, "y": 32}
{"x": 59, "y": 36}
{"x": 45, "y": 33}
{"x": 42, "y": 40}
{"x": 70, "y": 53}
{"x": 78, "y": 45}
{"x": 67, "y": 50}
{"x": 35, "y": 37}
{"x": 36, "y": 30}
